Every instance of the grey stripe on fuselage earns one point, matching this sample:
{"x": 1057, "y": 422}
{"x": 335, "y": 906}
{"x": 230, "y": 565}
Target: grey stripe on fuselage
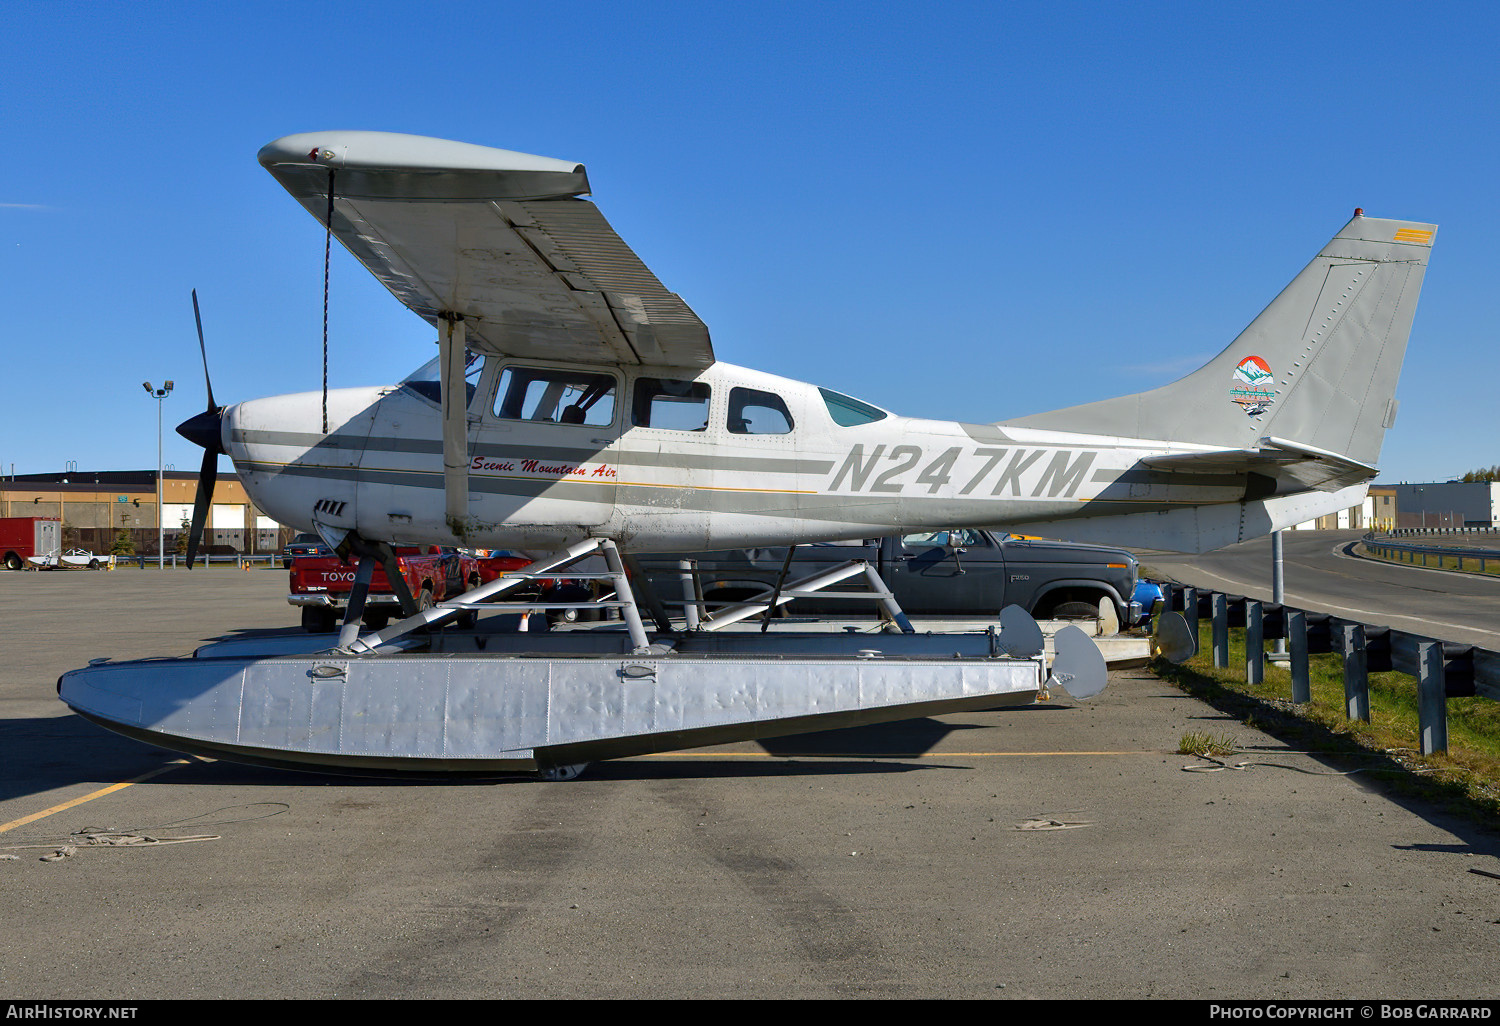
{"x": 840, "y": 508}
{"x": 623, "y": 457}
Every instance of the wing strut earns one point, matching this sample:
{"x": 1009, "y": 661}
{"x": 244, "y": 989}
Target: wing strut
{"x": 327, "y": 245}
{"x": 455, "y": 422}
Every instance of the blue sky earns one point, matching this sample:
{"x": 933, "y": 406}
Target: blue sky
{"x": 968, "y": 211}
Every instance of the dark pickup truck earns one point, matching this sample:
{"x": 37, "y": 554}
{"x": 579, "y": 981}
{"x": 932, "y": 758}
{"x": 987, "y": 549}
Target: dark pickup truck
{"x": 956, "y": 573}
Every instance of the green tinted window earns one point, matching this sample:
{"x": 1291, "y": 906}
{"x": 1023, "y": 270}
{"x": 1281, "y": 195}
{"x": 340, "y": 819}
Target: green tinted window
{"x": 849, "y": 412}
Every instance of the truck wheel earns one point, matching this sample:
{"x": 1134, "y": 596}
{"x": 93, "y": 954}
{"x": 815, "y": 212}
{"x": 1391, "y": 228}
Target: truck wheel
{"x": 12, "y": 561}
{"x": 568, "y": 593}
{"x": 317, "y": 620}
{"x": 571, "y": 771}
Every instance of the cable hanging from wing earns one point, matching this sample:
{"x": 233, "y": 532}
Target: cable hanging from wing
{"x": 327, "y": 246}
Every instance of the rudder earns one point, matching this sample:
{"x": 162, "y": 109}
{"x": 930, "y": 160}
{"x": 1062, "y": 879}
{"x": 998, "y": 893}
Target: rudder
{"x": 1318, "y": 366}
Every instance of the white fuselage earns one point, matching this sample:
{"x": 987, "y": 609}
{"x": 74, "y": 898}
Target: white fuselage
{"x": 677, "y": 460}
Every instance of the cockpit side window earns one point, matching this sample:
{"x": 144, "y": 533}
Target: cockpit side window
{"x": 550, "y": 396}
{"x": 847, "y": 411}
{"x": 753, "y": 412}
{"x": 670, "y": 403}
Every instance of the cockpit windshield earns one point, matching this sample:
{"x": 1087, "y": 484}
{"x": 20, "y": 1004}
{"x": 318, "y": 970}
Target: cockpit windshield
{"x": 426, "y": 380}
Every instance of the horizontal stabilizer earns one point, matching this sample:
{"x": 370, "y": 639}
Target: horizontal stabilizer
{"x": 1299, "y": 466}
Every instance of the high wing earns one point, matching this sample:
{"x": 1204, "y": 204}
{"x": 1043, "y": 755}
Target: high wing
{"x": 1275, "y": 459}
{"x": 500, "y": 238}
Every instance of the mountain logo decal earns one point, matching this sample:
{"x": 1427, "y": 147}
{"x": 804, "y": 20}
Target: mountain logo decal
{"x": 1252, "y": 386}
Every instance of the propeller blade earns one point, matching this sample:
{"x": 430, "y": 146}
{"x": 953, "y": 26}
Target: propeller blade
{"x": 208, "y": 474}
{"x": 203, "y": 349}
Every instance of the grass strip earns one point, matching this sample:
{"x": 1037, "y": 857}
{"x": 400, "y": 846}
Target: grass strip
{"x": 1465, "y": 780}
{"x": 1488, "y": 566}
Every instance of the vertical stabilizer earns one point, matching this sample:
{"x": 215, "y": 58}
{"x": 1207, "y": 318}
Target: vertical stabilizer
{"x": 1318, "y": 366}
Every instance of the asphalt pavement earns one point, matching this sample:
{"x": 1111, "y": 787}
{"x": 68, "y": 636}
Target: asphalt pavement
{"x": 1323, "y": 572}
{"x": 1056, "y": 851}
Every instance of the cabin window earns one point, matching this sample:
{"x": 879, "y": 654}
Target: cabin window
{"x": 426, "y": 380}
{"x": 847, "y": 411}
{"x": 752, "y": 412}
{"x": 549, "y": 396}
{"x": 670, "y": 403}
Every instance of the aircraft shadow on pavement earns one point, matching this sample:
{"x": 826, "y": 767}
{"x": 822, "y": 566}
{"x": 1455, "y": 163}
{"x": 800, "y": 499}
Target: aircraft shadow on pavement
{"x": 903, "y": 739}
{"x": 66, "y": 751}
{"x": 41, "y": 755}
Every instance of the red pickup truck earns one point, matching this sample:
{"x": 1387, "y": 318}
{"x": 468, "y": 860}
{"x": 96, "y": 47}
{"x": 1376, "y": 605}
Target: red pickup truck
{"x": 320, "y": 585}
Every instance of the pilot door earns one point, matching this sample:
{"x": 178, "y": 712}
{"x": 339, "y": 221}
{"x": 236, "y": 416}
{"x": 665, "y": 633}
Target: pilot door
{"x": 542, "y": 448}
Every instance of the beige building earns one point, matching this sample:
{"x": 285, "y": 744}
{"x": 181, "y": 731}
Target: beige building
{"x": 95, "y": 506}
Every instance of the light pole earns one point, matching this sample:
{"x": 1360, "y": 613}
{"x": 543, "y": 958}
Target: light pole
{"x": 159, "y": 394}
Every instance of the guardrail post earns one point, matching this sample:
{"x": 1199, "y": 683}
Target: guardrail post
{"x": 1432, "y": 698}
{"x": 1296, "y": 628}
{"x": 1255, "y": 644}
{"x": 1219, "y": 603}
{"x": 1190, "y": 612}
{"x": 1356, "y": 675}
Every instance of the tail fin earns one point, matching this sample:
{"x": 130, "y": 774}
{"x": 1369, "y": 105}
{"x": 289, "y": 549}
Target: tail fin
{"x": 1317, "y": 367}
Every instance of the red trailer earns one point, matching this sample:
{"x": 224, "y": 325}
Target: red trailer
{"x": 24, "y": 537}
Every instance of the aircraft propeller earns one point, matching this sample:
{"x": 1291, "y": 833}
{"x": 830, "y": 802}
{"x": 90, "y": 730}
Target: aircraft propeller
{"x": 204, "y": 429}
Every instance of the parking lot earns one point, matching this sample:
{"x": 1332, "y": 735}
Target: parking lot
{"x": 1056, "y": 851}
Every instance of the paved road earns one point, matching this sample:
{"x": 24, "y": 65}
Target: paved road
{"x": 889, "y": 862}
{"x": 1323, "y": 574}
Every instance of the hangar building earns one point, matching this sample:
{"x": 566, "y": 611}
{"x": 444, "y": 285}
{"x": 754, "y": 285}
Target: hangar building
{"x": 95, "y": 505}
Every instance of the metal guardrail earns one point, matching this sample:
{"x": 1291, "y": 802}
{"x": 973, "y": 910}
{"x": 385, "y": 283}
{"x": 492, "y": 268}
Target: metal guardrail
{"x": 239, "y": 561}
{"x": 1414, "y": 532}
{"x": 1443, "y": 669}
{"x": 1403, "y": 552}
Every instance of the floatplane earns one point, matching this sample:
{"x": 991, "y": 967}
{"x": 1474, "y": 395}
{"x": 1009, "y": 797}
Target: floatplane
{"x": 576, "y": 408}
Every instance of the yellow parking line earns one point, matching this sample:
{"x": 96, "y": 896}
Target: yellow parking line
{"x": 90, "y": 797}
{"x": 895, "y": 755}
